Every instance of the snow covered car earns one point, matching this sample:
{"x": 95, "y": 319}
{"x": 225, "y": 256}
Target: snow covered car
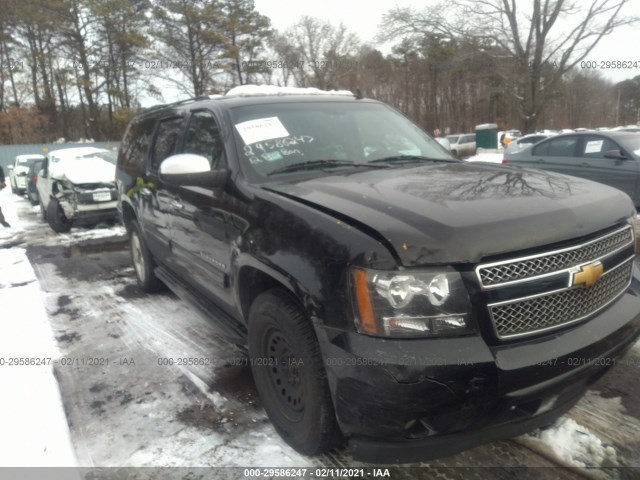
{"x": 76, "y": 185}
{"x": 18, "y": 172}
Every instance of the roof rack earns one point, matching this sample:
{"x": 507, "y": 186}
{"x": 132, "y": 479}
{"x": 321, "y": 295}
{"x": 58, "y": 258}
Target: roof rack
{"x": 175, "y": 104}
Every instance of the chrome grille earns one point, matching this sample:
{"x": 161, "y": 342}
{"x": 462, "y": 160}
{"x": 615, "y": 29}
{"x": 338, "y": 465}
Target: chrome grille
{"x": 518, "y": 269}
{"x": 552, "y": 310}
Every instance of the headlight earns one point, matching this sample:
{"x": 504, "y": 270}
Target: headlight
{"x": 410, "y": 304}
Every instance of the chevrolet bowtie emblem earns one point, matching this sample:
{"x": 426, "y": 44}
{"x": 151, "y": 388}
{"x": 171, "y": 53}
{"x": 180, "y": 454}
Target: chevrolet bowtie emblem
{"x": 587, "y": 275}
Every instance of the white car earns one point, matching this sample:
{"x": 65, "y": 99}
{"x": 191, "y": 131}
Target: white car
{"x": 77, "y": 185}
{"x": 18, "y": 172}
{"x": 462, "y": 144}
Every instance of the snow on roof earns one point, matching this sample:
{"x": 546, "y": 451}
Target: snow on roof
{"x": 250, "y": 90}
{"x": 29, "y": 156}
{"x": 75, "y": 152}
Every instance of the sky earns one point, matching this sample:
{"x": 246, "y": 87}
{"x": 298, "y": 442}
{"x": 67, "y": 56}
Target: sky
{"x": 364, "y": 16}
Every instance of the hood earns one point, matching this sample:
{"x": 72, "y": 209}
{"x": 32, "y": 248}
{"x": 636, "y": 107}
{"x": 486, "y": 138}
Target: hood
{"x": 84, "y": 170}
{"x": 460, "y": 212}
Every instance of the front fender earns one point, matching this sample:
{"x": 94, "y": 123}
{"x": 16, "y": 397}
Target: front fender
{"x": 309, "y": 252}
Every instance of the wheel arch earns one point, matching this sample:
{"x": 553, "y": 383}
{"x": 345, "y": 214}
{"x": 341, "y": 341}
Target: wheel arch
{"x": 128, "y": 215}
{"x": 253, "y": 280}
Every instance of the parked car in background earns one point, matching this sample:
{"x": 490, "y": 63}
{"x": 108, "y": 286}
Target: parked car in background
{"x": 462, "y": 144}
{"x": 526, "y": 141}
{"x": 32, "y": 181}
{"x": 18, "y": 172}
{"x": 612, "y": 158}
{"x": 77, "y": 185}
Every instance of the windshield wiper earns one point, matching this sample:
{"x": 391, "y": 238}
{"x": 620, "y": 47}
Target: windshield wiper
{"x": 324, "y": 163}
{"x": 412, "y": 159}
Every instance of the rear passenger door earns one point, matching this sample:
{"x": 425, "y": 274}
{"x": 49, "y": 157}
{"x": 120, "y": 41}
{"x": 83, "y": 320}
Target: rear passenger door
{"x": 618, "y": 173}
{"x": 202, "y": 227}
{"x": 557, "y": 155}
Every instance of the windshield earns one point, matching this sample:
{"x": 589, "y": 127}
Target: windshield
{"x": 272, "y": 137}
{"x": 27, "y": 162}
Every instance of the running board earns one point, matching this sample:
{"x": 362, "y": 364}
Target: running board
{"x": 228, "y": 328}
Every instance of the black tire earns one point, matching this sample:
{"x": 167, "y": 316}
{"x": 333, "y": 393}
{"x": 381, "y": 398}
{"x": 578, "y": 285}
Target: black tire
{"x": 143, "y": 262}
{"x": 56, "y": 218}
{"x": 289, "y": 373}
{"x": 14, "y": 190}
{"x": 32, "y": 200}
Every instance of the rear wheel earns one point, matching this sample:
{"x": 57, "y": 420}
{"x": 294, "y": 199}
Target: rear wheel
{"x": 56, "y": 218}
{"x": 143, "y": 262}
{"x": 289, "y": 373}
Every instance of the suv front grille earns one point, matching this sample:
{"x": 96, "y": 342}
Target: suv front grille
{"x": 557, "y": 301}
{"x": 513, "y": 270}
{"x": 542, "y": 312}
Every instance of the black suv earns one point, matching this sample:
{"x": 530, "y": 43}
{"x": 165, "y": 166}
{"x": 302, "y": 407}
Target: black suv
{"x": 389, "y": 295}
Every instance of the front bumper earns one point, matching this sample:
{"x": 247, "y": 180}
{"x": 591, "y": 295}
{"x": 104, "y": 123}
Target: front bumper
{"x": 90, "y": 212}
{"x": 406, "y": 400}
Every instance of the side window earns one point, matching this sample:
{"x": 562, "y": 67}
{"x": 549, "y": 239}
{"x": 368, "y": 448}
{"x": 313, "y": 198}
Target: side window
{"x": 596, "y": 147}
{"x": 203, "y": 138}
{"x": 562, "y": 147}
{"x": 167, "y": 135}
{"x": 541, "y": 150}
{"x": 135, "y": 144}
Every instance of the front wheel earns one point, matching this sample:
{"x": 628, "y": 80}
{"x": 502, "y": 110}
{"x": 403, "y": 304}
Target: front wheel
{"x": 56, "y": 218}
{"x": 289, "y": 373}
{"x": 143, "y": 262}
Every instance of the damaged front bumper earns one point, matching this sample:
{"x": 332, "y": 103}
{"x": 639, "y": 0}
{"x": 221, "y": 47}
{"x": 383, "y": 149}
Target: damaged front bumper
{"x": 406, "y": 400}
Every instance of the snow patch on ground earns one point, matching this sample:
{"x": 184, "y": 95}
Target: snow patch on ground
{"x": 573, "y": 445}
{"x": 77, "y": 234}
{"x": 34, "y": 426}
{"x": 486, "y": 157}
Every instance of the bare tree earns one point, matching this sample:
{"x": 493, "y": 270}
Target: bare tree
{"x": 190, "y": 32}
{"x": 321, "y": 53}
{"x": 540, "y": 42}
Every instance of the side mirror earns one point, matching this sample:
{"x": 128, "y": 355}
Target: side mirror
{"x": 616, "y": 154}
{"x": 9, "y": 167}
{"x": 191, "y": 170}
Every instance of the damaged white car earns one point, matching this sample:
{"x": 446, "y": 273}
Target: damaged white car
{"x": 76, "y": 185}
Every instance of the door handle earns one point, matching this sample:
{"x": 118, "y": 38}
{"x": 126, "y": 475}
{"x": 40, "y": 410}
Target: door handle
{"x": 585, "y": 164}
{"x": 176, "y": 205}
{"x": 540, "y": 160}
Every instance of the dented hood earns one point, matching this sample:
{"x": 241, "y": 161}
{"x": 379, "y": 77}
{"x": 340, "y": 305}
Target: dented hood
{"x": 84, "y": 170}
{"x": 461, "y": 212}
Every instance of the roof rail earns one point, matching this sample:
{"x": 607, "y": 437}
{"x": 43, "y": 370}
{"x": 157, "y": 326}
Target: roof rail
{"x": 175, "y": 104}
